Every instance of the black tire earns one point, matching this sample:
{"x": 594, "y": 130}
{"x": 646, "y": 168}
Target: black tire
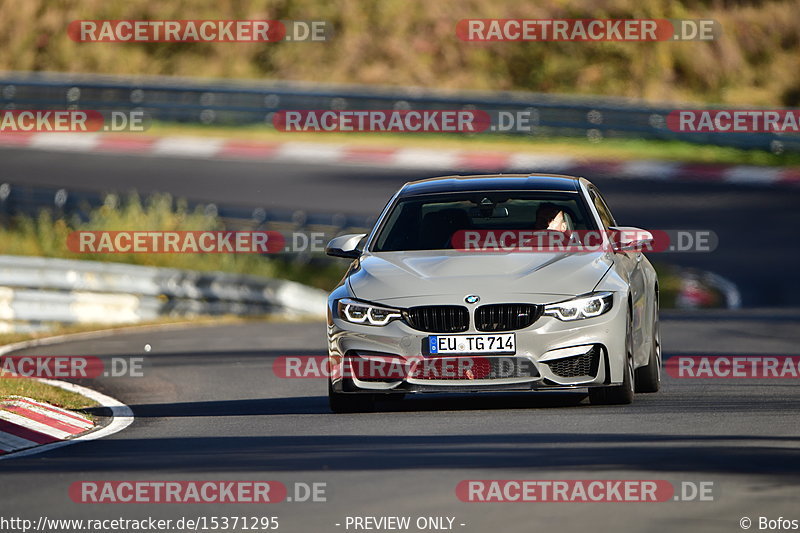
{"x": 648, "y": 378}
{"x": 350, "y": 403}
{"x": 621, "y": 394}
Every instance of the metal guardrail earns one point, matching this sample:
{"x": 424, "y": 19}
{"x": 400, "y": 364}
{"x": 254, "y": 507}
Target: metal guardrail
{"x": 240, "y": 103}
{"x": 36, "y": 290}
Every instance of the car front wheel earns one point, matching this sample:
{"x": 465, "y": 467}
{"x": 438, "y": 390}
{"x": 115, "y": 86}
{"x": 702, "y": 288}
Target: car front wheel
{"x": 621, "y": 394}
{"x": 648, "y": 378}
{"x": 350, "y": 403}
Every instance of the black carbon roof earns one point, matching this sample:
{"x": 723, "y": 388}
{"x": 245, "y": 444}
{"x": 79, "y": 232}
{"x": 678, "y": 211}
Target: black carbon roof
{"x": 495, "y": 182}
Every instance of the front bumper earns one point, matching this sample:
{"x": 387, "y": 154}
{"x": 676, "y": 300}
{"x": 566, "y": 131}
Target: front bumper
{"x": 550, "y": 354}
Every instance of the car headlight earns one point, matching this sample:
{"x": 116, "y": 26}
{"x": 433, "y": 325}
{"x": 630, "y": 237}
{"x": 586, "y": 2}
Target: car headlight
{"x": 585, "y": 306}
{"x": 366, "y": 313}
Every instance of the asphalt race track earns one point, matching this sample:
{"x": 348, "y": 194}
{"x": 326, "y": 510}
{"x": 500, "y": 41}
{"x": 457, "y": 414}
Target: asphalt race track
{"x": 210, "y": 406}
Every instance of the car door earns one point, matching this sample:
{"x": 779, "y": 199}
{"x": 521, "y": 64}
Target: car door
{"x": 631, "y": 263}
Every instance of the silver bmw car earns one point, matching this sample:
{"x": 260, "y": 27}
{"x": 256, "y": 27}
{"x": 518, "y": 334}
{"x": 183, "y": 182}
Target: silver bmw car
{"x": 494, "y": 283}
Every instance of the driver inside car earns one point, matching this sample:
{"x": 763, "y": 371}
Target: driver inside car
{"x": 551, "y": 217}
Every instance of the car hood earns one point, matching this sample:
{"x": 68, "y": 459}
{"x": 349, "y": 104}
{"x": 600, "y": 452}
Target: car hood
{"x": 442, "y": 275}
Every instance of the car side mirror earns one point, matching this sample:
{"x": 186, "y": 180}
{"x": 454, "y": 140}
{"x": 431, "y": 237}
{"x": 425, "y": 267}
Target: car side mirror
{"x": 627, "y": 238}
{"x": 345, "y": 246}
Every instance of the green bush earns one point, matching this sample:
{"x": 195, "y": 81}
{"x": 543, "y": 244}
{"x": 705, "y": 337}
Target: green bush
{"x": 47, "y": 236}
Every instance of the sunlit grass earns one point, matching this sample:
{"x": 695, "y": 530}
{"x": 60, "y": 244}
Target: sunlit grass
{"x": 46, "y": 236}
{"x": 414, "y": 43}
{"x": 42, "y": 392}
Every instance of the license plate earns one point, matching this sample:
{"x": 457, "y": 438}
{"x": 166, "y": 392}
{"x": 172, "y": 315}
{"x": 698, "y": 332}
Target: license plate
{"x": 501, "y": 343}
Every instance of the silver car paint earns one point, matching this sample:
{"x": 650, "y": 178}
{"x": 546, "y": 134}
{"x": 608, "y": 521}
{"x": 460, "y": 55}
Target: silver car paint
{"x": 390, "y": 275}
{"x": 407, "y": 279}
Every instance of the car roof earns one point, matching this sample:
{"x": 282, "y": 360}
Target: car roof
{"x": 492, "y": 182}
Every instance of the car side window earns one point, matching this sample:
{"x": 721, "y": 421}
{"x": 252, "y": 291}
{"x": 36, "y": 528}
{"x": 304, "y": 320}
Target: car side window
{"x": 602, "y": 208}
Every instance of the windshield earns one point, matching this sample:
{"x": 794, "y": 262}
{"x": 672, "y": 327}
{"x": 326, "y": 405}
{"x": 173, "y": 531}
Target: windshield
{"x": 429, "y": 222}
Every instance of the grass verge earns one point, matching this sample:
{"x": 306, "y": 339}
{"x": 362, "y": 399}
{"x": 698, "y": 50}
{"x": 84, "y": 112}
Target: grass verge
{"x": 36, "y": 390}
{"x": 46, "y": 236}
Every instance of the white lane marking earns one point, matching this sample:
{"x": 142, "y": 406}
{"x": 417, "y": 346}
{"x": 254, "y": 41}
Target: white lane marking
{"x": 649, "y": 169}
{"x": 34, "y": 425}
{"x": 49, "y": 413}
{"x": 121, "y": 413}
{"x": 421, "y": 158}
{"x": 533, "y": 162}
{"x": 310, "y": 152}
{"x": 187, "y": 147}
{"x": 752, "y": 174}
{"x": 79, "y": 142}
{"x": 200, "y": 147}
{"x": 50, "y": 407}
